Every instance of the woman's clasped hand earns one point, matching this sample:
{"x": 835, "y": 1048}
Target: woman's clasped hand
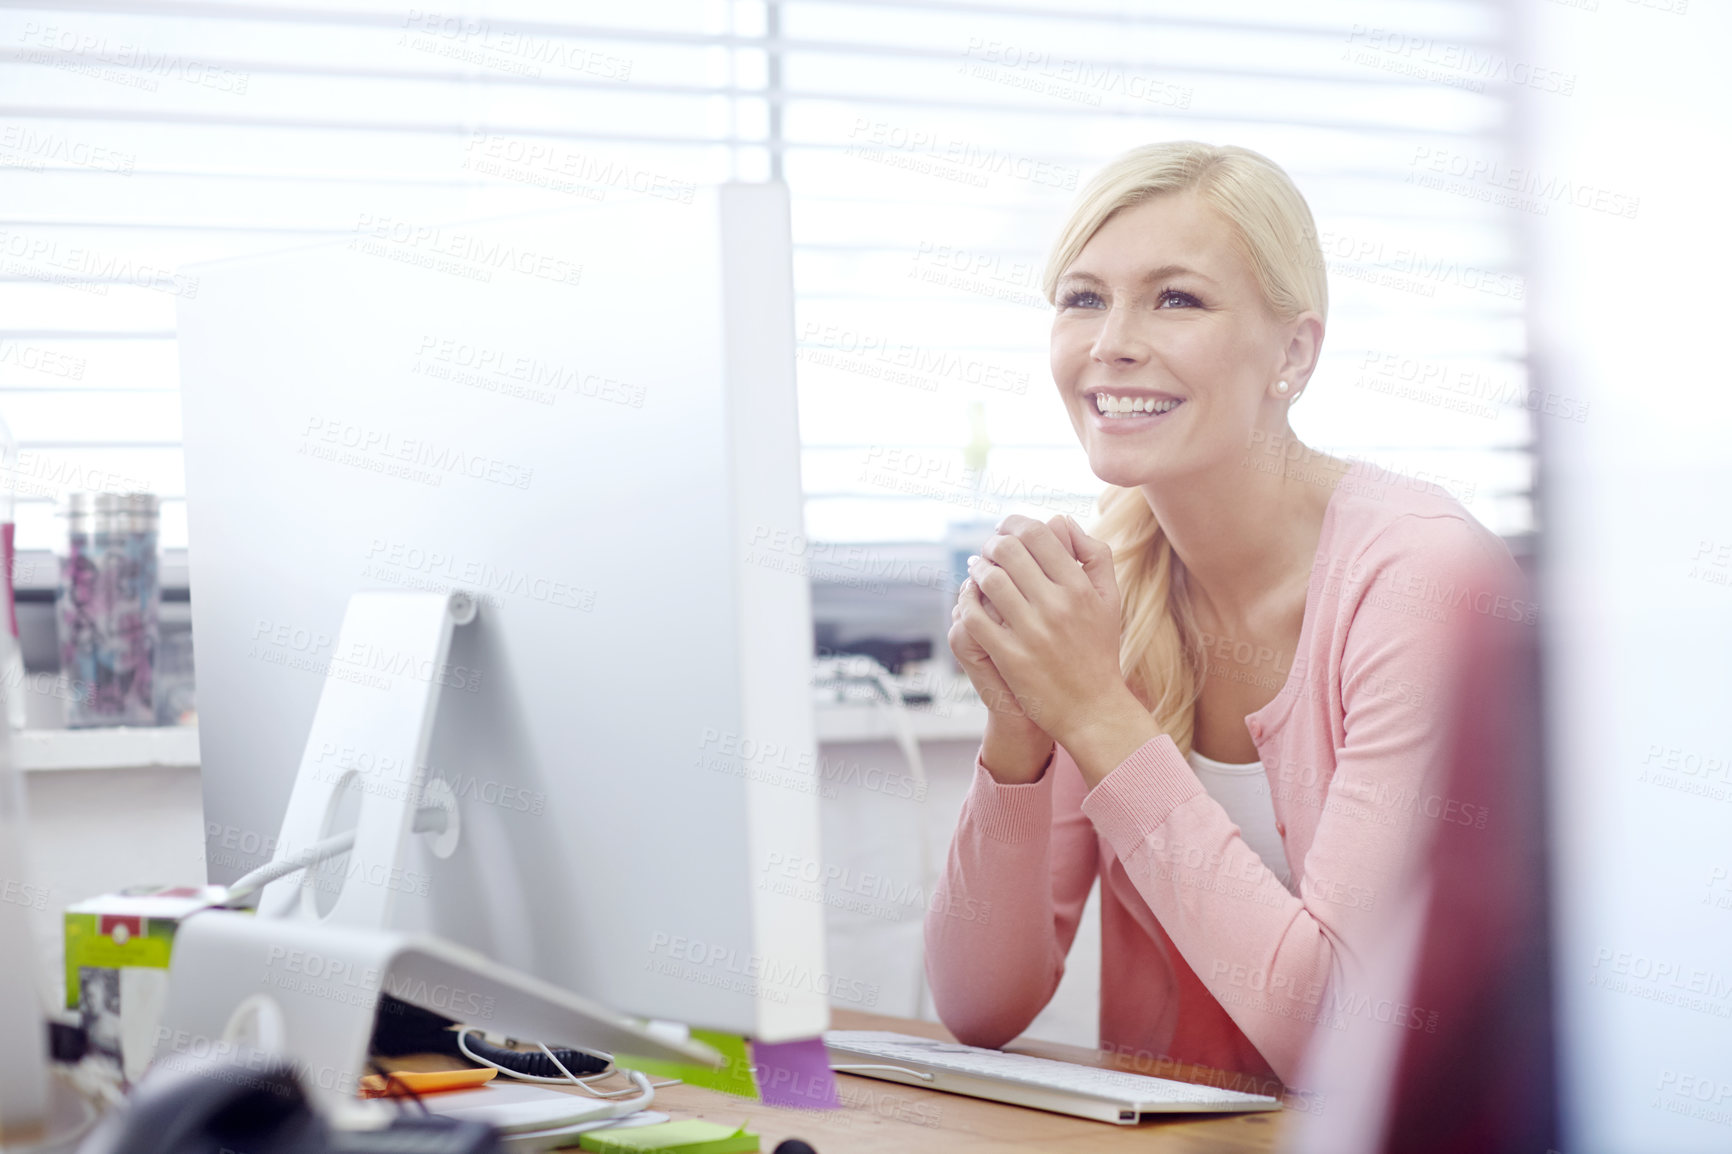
{"x": 1038, "y": 620}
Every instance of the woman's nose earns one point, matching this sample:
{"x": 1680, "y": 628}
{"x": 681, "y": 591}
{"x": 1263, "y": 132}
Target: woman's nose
{"x": 1118, "y": 341}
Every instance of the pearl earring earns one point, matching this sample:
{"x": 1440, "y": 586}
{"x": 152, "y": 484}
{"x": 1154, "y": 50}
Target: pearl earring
{"x": 1281, "y": 387}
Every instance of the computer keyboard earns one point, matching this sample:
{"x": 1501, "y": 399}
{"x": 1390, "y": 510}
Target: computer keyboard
{"x": 1022, "y": 1080}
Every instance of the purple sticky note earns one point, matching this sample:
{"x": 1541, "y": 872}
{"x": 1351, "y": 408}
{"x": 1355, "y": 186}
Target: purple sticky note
{"x": 795, "y": 1074}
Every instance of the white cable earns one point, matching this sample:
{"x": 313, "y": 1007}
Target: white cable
{"x": 646, "y": 1090}
{"x": 581, "y": 1082}
{"x": 857, "y": 667}
{"x": 258, "y": 879}
{"x": 637, "y": 1078}
{"x": 900, "y": 719}
{"x": 97, "y": 1080}
{"x": 851, "y": 1067}
{"x": 89, "y": 1086}
{"x": 432, "y": 819}
{"x": 597, "y": 1111}
{"x": 570, "y": 1078}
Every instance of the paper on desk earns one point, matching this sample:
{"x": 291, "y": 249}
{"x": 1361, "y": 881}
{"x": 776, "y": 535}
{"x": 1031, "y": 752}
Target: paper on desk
{"x": 521, "y": 1106}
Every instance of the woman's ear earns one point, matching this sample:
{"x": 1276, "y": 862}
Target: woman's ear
{"x": 1304, "y": 346}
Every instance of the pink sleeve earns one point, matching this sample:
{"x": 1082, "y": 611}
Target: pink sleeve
{"x": 1006, "y": 909}
{"x": 1273, "y": 960}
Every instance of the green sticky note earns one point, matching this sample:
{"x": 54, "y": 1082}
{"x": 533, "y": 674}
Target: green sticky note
{"x": 690, "y": 1137}
{"x": 734, "y": 1077}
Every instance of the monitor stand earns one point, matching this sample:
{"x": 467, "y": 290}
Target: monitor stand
{"x": 303, "y": 977}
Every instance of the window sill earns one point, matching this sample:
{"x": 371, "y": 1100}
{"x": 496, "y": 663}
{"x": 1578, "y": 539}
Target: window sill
{"x": 841, "y": 723}
{"x": 120, "y": 747}
{"x": 176, "y": 747}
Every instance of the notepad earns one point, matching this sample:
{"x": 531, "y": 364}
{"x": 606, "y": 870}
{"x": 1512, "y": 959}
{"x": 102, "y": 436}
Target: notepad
{"x": 689, "y": 1137}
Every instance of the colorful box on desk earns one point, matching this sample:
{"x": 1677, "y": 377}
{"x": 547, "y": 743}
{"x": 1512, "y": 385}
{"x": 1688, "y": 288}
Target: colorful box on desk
{"x": 117, "y": 953}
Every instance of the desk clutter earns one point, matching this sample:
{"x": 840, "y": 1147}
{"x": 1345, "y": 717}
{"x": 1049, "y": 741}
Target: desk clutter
{"x": 261, "y": 1107}
{"x": 439, "y": 1085}
{"x": 245, "y": 1100}
{"x": 436, "y": 1086}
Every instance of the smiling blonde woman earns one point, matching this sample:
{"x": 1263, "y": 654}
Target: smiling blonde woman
{"x": 1228, "y": 703}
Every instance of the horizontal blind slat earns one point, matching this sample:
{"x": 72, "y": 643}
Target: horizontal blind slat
{"x": 917, "y": 265}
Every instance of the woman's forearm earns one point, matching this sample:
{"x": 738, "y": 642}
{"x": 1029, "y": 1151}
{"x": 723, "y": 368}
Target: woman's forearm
{"x": 1015, "y": 750}
{"x": 1007, "y": 904}
{"x": 1109, "y": 733}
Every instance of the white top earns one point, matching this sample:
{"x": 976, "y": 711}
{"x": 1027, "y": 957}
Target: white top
{"x": 1243, "y": 791}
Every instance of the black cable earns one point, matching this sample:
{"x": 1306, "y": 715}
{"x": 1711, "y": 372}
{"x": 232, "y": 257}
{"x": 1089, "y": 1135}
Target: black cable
{"x": 406, "y": 1090}
{"x": 403, "y": 1028}
{"x": 537, "y": 1064}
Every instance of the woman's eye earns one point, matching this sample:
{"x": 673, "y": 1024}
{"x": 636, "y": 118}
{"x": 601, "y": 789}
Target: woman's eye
{"x": 1082, "y": 299}
{"x": 1173, "y": 298}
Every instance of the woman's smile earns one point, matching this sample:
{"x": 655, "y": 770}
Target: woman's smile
{"x": 1122, "y": 412}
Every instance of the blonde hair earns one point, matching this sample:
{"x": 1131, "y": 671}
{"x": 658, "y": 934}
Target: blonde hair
{"x": 1160, "y": 645}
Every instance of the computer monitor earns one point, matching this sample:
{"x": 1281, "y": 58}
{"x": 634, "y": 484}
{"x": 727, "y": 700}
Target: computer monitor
{"x": 585, "y": 419}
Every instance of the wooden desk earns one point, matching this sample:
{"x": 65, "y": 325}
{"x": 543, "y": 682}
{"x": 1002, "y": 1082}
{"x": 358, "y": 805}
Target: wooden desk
{"x": 890, "y": 1118}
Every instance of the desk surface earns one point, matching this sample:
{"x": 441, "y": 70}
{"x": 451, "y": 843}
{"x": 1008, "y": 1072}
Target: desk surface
{"x": 894, "y": 1119}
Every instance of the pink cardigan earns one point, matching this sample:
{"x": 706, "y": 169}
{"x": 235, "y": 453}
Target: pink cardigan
{"x": 1206, "y": 956}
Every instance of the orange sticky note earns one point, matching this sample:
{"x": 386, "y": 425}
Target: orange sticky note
{"x": 401, "y": 1082}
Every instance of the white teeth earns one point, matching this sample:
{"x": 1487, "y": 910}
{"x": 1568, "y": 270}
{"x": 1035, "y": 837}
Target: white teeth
{"x": 1112, "y": 406}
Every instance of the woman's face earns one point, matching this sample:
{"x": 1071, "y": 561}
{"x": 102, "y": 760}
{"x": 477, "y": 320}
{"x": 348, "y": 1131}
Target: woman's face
{"x": 1161, "y": 322}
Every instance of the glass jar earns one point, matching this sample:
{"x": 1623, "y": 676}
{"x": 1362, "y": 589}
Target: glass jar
{"x": 107, "y": 608}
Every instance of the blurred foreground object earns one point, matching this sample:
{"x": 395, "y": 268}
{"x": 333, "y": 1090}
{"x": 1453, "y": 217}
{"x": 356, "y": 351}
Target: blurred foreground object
{"x": 23, "y": 1050}
{"x": 1468, "y": 944}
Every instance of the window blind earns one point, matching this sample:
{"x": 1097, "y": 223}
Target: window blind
{"x": 934, "y": 148}
{"x": 930, "y": 150}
